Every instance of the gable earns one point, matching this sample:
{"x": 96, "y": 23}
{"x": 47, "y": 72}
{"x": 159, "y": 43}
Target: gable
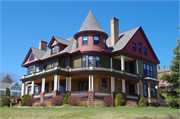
{"x": 139, "y": 36}
{"x": 15, "y": 87}
{"x": 54, "y": 43}
{"x": 26, "y": 61}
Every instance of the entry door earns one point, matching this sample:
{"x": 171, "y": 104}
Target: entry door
{"x": 83, "y": 86}
{"x": 131, "y": 89}
{"x": 132, "y": 68}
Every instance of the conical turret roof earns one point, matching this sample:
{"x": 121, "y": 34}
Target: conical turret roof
{"x": 90, "y": 23}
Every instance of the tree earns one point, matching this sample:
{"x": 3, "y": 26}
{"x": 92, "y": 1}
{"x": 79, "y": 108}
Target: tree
{"x": 7, "y": 92}
{"x": 173, "y": 79}
{"x": 9, "y": 77}
{"x": 160, "y": 90}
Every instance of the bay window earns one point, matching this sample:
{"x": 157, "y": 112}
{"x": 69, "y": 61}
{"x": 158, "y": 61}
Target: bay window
{"x": 145, "y": 89}
{"x": 90, "y": 61}
{"x": 153, "y": 90}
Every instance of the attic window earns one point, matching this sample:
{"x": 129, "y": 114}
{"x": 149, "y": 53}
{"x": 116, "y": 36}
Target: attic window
{"x": 32, "y": 57}
{"x": 54, "y": 50}
{"x": 140, "y": 47}
{"x": 145, "y": 51}
{"x": 134, "y": 46}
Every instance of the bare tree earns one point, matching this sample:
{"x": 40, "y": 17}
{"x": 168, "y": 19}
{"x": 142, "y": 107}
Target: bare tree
{"x": 15, "y": 77}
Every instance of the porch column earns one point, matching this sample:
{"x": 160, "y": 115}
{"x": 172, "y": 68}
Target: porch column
{"x": 43, "y": 85}
{"x": 111, "y": 62}
{"x": 32, "y": 87}
{"x": 58, "y": 82}
{"x": 55, "y": 82}
{"x": 123, "y": 86}
{"x": 137, "y": 69}
{"x": 68, "y": 83}
{"x": 90, "y": 91}
{"x": 138, "y": 88}
{"x": 122, "y": 63}
{"x": 42, "y": 90}
{"x": 23, "y": 89}
{"x": 112, "y": 84}
{"x": 149, "y": 94}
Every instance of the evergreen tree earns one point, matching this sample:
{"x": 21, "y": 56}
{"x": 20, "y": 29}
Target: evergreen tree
{"x": 7, "y": 92}
{"x": 7, "y": 79}
{"x": 173, "y": 79}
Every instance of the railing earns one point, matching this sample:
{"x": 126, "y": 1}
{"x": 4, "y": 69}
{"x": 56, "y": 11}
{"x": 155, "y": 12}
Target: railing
{"x": 101, "y": 93}
{"x": 132, "y": 97}
{"x": 69, "y": 69}
{"x": 37, "y": 96}
{"x": 80, "y": 93}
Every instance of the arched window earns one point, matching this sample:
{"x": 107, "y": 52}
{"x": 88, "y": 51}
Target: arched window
{"x": 32, "y": 57}
{"x": 140, "y": 47}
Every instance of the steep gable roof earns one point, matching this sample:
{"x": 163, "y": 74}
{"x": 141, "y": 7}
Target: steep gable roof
{"x": 5, "y": 85}
{"x": 166, "y": 69}
{"x": 90, "y": 23}
{"x": 59, "y": 40}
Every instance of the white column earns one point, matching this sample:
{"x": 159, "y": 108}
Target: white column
{"x": 89, "y": 82}
{"x": 23, "y": 89}
{"x": 68, "y": 83}
{"x": 43, "y": 85}
{"x": 137, "y": 67}
{"x": 111, "y": 63}
{"x": 138, "y": 88}
{"x": 123, "y": 86}
{"x": 32, "y": 87}
{"x": 58, "y": 80}
{"x": 55, "y": 82}
{"x": 112, "y": 84}
{"x": 122, "y": 63}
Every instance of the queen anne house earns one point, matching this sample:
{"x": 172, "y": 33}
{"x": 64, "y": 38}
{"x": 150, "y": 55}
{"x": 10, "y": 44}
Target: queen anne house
{"x": 93, "y": 65}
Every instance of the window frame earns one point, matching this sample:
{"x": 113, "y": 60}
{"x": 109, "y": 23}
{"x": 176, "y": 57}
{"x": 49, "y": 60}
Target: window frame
{"x": 145, "y": 52}
{"x": 99, "y": 61}
{"x": 84, "y": 56}
{"x": 148, "y": 72}
{"x": 134, "y": 48}
{"x": 31, "y": 57}
{"x": 92, "y": 60}
{"x": 55, "y": 51}
{"x": 94, "y": 40}
{"x": 87, "y": 40}
{"x": 140, "y": 47}
{"x": 29, "y": 70}
{"x": 145, "y": 89}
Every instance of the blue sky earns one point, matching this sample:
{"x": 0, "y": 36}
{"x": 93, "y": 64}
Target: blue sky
{"x": 24, "y": 24}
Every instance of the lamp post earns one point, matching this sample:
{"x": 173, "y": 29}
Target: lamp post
{"x": 156, "y": 87}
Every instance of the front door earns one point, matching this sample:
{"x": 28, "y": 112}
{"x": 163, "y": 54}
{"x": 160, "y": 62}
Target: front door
{"x": 131, "y": 89}
{"x": 83, "y": 86}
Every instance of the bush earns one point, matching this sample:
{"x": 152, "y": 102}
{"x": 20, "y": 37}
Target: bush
{"x": 24, "y": 99}
{"x": 7, "y": 92}
{"x": 172, "y": 101}
{"x": 107, "y": 101}
{"x": 74, "y": 100}
{"x": 5, "y": 101}
{"x": 66, "y": 98}
{"x": 30, "y": 101}
{"x": 160, "y": 90}
{"x": 142, "y": 102}
{"x": 57, "y": 101}
{"x": 14, "y": 99}
{"x": 119, "y": 100}
{"x": 43, "y": 104}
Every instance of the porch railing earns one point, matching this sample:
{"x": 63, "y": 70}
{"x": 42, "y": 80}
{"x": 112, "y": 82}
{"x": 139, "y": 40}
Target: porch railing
{"x": 101, "y": 93}
{"x": 80, "y": 93}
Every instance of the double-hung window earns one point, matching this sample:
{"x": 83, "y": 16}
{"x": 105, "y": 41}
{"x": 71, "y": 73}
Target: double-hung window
{"x": 134, "y": 46}
{"x": 54, "y": 49}
{"x": 30, "y": 70}
{"x": 96, "y": 40}
{"x": 140, "y": 47}
{"x": 148, "y": 70}
{"x": 97, "y": 61}
{"x": 84, "y": 40}
{"x": 145, "y": 51}
{"x": 153, "y": 90}
{"x": 83, "y": 63}
{"x": 90, "y": 61}
{"x": 31, "y": 57}
{"x": 145, "y": 89}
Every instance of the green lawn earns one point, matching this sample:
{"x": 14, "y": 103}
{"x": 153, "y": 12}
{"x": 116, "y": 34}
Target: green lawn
{"x": 86, "y": 112}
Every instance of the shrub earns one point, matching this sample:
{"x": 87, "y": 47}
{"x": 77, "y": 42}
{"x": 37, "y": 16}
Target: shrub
{"x": 66, "y": 98}
{"x": 142, "y": 102}
{"x": 107, "y": 101}
{"x": 57, "y": 101}
{"x": 74, "y": 100}
{"x": 14, "y": 99}
{"x": 43, "y": 104}
{"x": 119, "y": 100}
{"x": 7, "y": 92}
{"x": 172, "y": 101}
{"x": 30, "y": 101}
{"x": 131, "y": 103}
{"x": 160, "y": 90}
{"x": 5, "y": 101}
{"x": 24, "y": 99}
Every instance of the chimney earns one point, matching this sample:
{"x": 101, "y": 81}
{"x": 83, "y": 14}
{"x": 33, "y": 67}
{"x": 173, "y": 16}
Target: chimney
{"x": 42, "y": 45}
{"x": 114, "y": 30}
{"x": 158, "y": 67}
{"x": 163, "y": 67}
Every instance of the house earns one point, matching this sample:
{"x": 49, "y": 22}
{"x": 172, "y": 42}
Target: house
{"x": 93, "y": 65}
{"x": 163, "y": 84}
{"x": 15, "y": 89}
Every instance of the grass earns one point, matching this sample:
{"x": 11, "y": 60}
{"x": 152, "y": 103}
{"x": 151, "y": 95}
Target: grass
{"x": 85, "y": 112}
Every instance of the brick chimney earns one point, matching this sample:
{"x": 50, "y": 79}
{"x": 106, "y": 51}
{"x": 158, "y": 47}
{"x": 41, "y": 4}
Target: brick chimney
{"x": 158, "y": 67}
{"x": 114, "y": 30}
{"x": 163, "y": 67}
{"x": 42, "y": 45}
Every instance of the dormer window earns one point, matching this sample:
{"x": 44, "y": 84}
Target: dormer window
{"x": 96, "y": 40}
{"x": 54, "y": 50}
{"x": 32, "y": 57}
